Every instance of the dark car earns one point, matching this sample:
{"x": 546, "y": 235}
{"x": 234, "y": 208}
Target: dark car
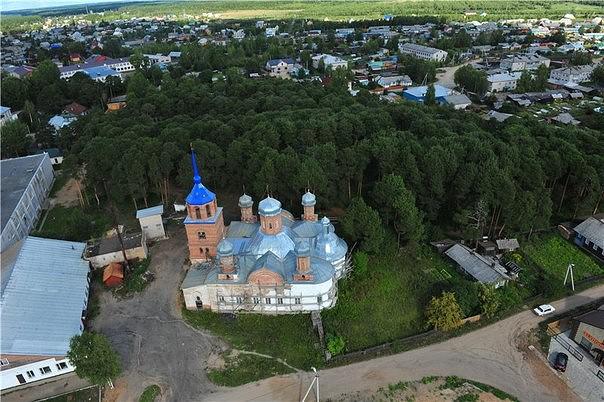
{"x": 561, "y": 362}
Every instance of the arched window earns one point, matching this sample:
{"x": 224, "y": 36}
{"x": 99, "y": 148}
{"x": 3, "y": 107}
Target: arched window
{"x": 270, "y": 225}
{"x": 208, "y": 211}
{"x": 197, "y": 213}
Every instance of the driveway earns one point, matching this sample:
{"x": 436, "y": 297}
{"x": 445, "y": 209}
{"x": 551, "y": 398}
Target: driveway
{"x": 496, "y": 355}
{"x": 155, "y": 345}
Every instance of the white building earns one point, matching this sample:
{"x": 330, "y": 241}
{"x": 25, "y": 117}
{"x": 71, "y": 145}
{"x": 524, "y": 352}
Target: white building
{"x": 103, "y": 252}
{"x": 158, "y": 58}
{"x": 571, "y": 75}
{"x": 502, "y": 82}
{"x": 329, "y": 61}
{"x": 271, "y": 32}
{"x": 44, "y": 300}
{"x": 344, "y": 32}
{"x": 523, "y": 62}
{"x": 151, "y": 222}
{"x": 122, "y": 65}
{"x": 423, "y": 52}
{"x": 281, "y": 68}
{"x": 25, "y": 185}
{"x": 6, "y": 115}
{"x": 394, "y": 82}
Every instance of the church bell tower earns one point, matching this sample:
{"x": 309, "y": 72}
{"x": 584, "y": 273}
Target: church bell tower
{"x": 204, "y": 222}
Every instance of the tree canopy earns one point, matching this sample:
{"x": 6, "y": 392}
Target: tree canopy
{"x": 94, "y": 358}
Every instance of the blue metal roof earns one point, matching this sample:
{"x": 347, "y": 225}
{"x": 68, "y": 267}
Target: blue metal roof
{"x": 101, "y": 71}
{"x": 44, "y": 297}
{"x": 199, "y": 194}
{"x": 418, "y": 93}
{"x": 144, "y": 213}
{"x": 269, "y": 207}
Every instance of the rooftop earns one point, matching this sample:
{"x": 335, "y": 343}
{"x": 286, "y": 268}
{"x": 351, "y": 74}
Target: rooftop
{"x": 595, "y": 317}
{"x": 112, "y": 244}
{"x": 593, "y": 230}
{"x": 144, "y": 213}
{"x": 44, "y": 298}
{"x": 16, "y": 174}
{"x": 481, "y": 268}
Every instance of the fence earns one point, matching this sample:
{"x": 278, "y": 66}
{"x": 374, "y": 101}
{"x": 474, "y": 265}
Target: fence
{"x": 600, "y": 375}
{"x": 571, "y": 349}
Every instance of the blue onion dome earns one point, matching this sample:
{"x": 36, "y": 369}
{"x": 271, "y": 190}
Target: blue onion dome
{"x": 309, "y": 199}
{"x": 303, "y": 248}
{"x": 225, "y": 248}
{"x": 269, "y": 207}
{"x": 245, "y": 201}
{"x": 328, "y": 245}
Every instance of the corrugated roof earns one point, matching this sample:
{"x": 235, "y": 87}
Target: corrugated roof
{"x": 593, "y": 230}
{"x": 43, "y": 300}
{"x": 481, "y": 268}
{"x": 144, "y": 213}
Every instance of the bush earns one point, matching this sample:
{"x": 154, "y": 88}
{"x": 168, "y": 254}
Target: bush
{"x": 150, "y": 393}
{"x": 467, "y": 398}
{"x": 443, "y": 313}
{"x": 335, "y": 344}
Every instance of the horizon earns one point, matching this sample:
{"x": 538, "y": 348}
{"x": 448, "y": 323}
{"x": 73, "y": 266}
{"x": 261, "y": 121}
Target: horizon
{"x": 23, "y": 5}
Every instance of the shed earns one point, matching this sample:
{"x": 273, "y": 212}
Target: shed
{"x": 151, "y": 222}
{"x": 113, "y": 274}
{"x": 504, "y": 245}
{"x": 482, "y": 268}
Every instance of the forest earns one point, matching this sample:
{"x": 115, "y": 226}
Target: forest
{"x": 423, "y": 171}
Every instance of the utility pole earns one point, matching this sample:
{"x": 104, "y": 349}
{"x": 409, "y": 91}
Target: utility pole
{"x": 314, "y": 380}
{"x": 569, "y": 271}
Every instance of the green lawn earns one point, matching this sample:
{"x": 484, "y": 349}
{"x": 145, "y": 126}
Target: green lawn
{"x": 553, "y": 254}
{"x": 74, "y": 223}
{"x": 245, "y": 368}
{"x": 150, "y": 393}
{"x": 289, "y": 337}
{"x": 89, "y": 394}
{"x": 389, "y": 300}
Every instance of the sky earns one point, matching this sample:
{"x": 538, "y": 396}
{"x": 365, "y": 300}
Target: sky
{"x": 14, "y": 5}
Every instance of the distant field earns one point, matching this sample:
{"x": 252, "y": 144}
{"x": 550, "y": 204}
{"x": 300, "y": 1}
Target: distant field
{"x": 338, "y": 10}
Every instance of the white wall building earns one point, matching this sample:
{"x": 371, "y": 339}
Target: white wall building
{"x": 502, "y": 82}
{"x": 423, "y": 52}
{"x": 281, "y": 68}
{"x": 523, "y": 62}
{"x": 44, "y": 301}
{"x": 329, "y": 61}
{"x": 6, "y": 115}
{"x": 158, "y": 58}
{"x": 104, "y": 251}
{"x": 575, "y": 74}
{"x": 151, "y": 222}
{"x": 25, "y": 185}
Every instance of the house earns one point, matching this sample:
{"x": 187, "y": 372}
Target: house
{"x": 394, "y": 82}
{"x": 502, "y": 82}
{"x": 574, "y": 74}
{"x": 44, "y": 301}
{"x": 500, "y": 117}
{"x": 521, "y": 62}
{"x": 151, "y": 222}
{"x": 329, "y": 61}
{"x": 18, "y": 71}
{"x": 482, "y": 268}
{"x": 566, "y": 118}
{"x": 24, "y": 187}
{"x": 343, "y": 33}
{"x": 417, "y": 94}
{"x": 589, "y": 234}
{"x": 75, "y": 109}
{"x": 55, "y": 155}
{"x": 6, "y": 115}
{"x": 588, "y": 331}
{"x": 101, "y": 73}
{"x": 113, "y": 275}
{"x": 271, "y": 263}
{"x": 271, "y": 32}
{"x": 158, "y": 58}
{"x": 281, "y": 68}
{"x": 505, "y": 245}
{"x": 120, "y": 66}
{"x": 104, "y": 251}
{"x": 423, "y": 52}
{"x": 458, "y": 101}
{"x": 116, "y": 103}
{"x": 59, "y": 121}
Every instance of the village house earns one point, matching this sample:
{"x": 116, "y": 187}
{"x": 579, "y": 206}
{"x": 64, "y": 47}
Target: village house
{"x": 588, "y": 331}
{"x": 502, "y": 82}
{"x": 44, "y": 301}
{"x": 271, "y": 263}
{"x": 521, "y": 62}
{"x": 329, "y": 61}
{"x": 106, "y": 250}
{"x": 589, "y": 234}
{"x": 423, "y": 52}
{"x": 394, "y": 83}
{"x": 574, "y": 74}
{"x": 483, "y": 269}
{"x": 95, "y": 61}
{"x": 7, "y": 115}
{"x": 418, "y": 94}
{"x": 281, "y": 68}
{"x": 25, "y": 185}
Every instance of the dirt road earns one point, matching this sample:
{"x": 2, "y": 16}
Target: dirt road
{"x": 490, "y": 355}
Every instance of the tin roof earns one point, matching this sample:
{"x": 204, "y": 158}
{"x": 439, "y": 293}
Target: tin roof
{"x": 481, "y": 268}
{"x": 44, "y": 298}
{"x": 144, "y": 213}
{"x": 593, "y": 230}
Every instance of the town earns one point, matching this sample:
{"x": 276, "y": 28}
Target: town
{"x": 197, "y": 207}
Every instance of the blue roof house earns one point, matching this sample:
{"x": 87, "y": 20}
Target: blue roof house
{"x": 417, "y": 94}
{"x": 101, "y": 73}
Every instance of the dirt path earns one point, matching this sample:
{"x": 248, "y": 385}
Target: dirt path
{"x": 67, "y": 196}
{"x": 492, "y": 355}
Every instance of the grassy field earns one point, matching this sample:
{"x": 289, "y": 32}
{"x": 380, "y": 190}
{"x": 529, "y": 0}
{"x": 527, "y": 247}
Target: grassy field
{"x": 389, "y": 300}
{"x": 289, "y": 337}
{"x": 553, "y": 254}
{"x": 85, "y": 395}
{"x": 74, "y": 223}
{"x": 243, "y": 367}
{"x": 150, "y": 393}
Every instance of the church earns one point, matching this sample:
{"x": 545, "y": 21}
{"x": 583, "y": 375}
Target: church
{"x": 266, "y": 263}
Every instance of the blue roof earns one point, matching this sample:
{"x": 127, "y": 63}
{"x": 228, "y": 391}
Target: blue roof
{"x": 101, "y": 71}
{"x": 199, "y": 194}
{"x": 274, "y": 62}
{"x": 420, "y": 92}
{"x": 44, "y": 297}
{"x": 144, "y": 213}
{"x": 269, "y": 207}
{"x": 4, "y": 109}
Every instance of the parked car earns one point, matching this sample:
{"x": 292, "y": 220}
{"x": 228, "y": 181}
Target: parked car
{"x": 544, "y": 309}
{"x": 561, "y": 362}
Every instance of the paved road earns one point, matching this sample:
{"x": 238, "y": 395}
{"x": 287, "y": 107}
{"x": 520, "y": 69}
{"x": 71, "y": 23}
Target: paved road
{"x": 490, "y": 355}
{"x": 446, "y": 79}
{"x": 156, "y": 346}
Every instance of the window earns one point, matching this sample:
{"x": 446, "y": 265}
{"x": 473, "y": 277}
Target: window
{"x": 319, "y": 299}
{"x": 586, "y": 344}
{"x": 207, "y": 251}
{"x": 20, "y": 378}
{"x": 201, "y": 235}
{"x": 30, "y": 373}
{"x": 256, "y": 300}
{"x": 270, "y": 225}
{"x": 297, "y": 300}
{"x": 208, "y": 211}
{"x": 61, "y": 366}
{"x": 239, "y": 299}
{"x": 45, "y": 370}
{"x": 279, "y": 300}
{"x": 221, "y": 299}
{"x": 197, "y": 213}
{"x": 4, "y": 362}
{"x": 267, "y": 300}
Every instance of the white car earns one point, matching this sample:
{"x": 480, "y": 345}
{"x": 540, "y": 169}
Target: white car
{"x": 544, "y": 309}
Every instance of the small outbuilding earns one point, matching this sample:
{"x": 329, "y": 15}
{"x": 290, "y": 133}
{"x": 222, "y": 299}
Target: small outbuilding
{"x": 505, "y": 245}
{"x": 151, "y": 222}
{"x": 113, "y": 275}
